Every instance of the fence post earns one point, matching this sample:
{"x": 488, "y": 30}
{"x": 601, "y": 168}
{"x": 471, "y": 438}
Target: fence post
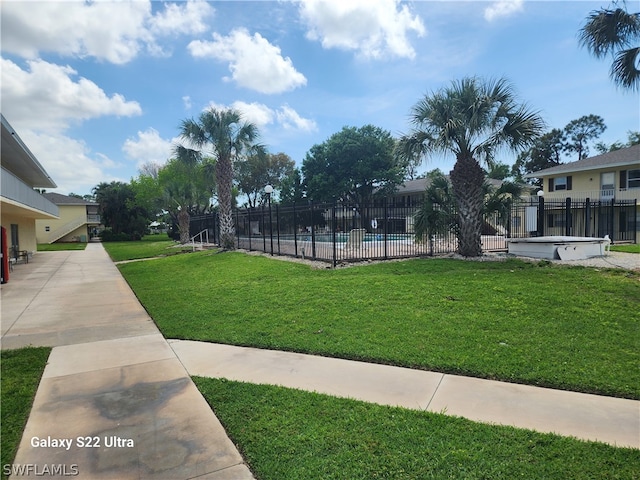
{"x": 567, "y": 217}
{"x": 386, "y": 220}
{"x": 313, "y": 234}
{"x": 587, "y": 217}
{"x": 611, "y": 221}
{"x": 264, "y": 231}
{"x": 295, "y": 231}
{"x": 540, "y": 216}
{"x": 334, "y": 228}
{"x": 635, "y": 221}
{"x": 278, "y": 226}
{"x": 250, "y": 232}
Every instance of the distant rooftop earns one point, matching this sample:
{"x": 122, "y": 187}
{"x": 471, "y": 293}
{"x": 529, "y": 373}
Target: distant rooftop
{"x": 629, "y": 156}
{"x": 60, "y": 199}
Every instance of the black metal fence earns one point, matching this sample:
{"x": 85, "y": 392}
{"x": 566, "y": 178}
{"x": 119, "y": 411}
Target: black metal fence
{"x": 339, "y": 233}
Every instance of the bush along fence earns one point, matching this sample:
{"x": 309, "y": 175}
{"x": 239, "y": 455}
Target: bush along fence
{"x": 337, "y": 233}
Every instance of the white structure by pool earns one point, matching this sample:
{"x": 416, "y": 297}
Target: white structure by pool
{"x": 559, "y": 247}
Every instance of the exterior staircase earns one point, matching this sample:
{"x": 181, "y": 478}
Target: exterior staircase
{"x": 66, "y": 228}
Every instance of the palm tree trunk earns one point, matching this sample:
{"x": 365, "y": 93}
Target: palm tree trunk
{"x": 183, "y": 225}
{"x": 467, "y": 178}
{"x": 224, "y": 174}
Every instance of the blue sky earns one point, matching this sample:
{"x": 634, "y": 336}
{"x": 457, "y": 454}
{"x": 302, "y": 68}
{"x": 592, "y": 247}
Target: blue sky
{"x": 97, "y": 89}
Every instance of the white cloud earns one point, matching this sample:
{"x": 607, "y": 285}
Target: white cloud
{"x": 291, "y": 120}
{"x": 374, "y": 29}
{"x": 253, "y": 61}
{"x": 148, "y": 146}
{"x": 68, "y": 161}
{"x": 186, "y": 100}
{"x": 262, "y": 116}
{"x": 185, "y": 18}
{"x": 113, "y": 31}
{"x": 502, "y": 8}
{"x": 257, "y": 113}
{"x": 47, "y": 98}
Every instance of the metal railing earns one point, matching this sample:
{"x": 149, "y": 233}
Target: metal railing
{"x": 203, "y": 235}
{"x": 338, "y": 233}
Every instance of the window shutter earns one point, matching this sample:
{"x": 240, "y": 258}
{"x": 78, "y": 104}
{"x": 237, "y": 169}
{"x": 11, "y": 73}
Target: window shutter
{"x": 623, "y": 179}
{"x": 569, "y": 182}
{"x": 551, "y": 184}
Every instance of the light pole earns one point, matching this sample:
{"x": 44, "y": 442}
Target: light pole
{"x": 269, "y": 190}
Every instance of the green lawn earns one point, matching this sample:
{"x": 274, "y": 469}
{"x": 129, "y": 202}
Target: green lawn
{"x": 289, "y": 434}
{"x": 633, "y": 248}
{"x": 562, "y": 327}
{"x": 21, "y": 372}
{"x": 56, "y": 247}
{"x": 149, "y": 246}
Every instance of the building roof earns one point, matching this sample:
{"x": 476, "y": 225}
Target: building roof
{"x": 60, "y": 199}
{"x": 629, "y": 156}
{"x": 18, "y": 159}
{"x": 420, "y": 185}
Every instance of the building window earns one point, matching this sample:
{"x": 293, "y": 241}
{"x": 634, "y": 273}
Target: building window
{"x": 633, "y": 178}
{"x": 47, "y": 228}
{"x": 560, "y": 183}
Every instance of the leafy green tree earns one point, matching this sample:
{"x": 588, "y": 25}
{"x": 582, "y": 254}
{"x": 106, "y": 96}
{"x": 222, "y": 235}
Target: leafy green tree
{"x": 351, "y": 166}
{"x": 615, "y": 31}
{"x": 633, "y": 138}
{"x": 292, "y": 188}
{"x": 187, "y": 183}
{"x": 546, "y": 152}
{"x": 227, "y": 137}
{"x": 260, "y": 169}
{"x": 579, "y": 132}
{"x": 471, "y": 119}
{"x": 119, "y": 209}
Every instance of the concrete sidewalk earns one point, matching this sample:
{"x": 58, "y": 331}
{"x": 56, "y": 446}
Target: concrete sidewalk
{"x": 589, "y": 417}
{"x": 113, "y": 390}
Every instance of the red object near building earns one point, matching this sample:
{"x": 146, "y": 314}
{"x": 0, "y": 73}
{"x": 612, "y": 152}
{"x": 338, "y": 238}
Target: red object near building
{"x": 5, "y": 257}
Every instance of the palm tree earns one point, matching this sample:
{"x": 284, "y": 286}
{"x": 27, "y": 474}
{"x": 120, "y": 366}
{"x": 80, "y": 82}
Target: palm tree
{"x": 615, "y": 31}
{"x": 471, "y": 119}
{"x": 228, "y": 137}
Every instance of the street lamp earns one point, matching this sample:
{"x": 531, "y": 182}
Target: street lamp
{"x": 268, "y": 189}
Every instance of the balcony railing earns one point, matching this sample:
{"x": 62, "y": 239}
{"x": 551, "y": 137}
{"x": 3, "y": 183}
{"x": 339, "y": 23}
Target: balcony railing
{"x": 595, "y": 195}
{"x": 14, "y": 189}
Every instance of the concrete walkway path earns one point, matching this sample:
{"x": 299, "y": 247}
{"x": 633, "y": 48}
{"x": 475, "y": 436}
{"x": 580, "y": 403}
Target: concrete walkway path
{"x": 113, "y": 390}
{"x": 589, "y": 417}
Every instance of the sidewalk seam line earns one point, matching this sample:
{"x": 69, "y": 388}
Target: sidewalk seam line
{"x": 434, "y": 392}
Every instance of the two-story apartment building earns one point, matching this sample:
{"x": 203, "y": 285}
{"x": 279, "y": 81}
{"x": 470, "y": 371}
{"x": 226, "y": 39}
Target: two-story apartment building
{"x": 611, "y": 184}
{"x": 20, "y": 204}
{"x": 77, "y": 220}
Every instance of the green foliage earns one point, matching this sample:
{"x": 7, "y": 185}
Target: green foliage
{"x": 292, "y": 188}
{"x": 471, "y": 119}
{"x": 351, "y": 165}
{"x": 548, "y": 150}
{"x": 21, "y": 373}
{"x": 514, "y": 321}
{"x": 579, "y": 132}
{"x": 285, "y": 434}
{"x": 120, "y": 210}
{"x": 227, "y": 136}
{"x": 261, "y": 169}
{"x": 616, "y": 32}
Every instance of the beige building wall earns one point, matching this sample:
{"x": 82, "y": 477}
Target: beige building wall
{"x": 26, "y": 231}
{"x": 68, "y": 215}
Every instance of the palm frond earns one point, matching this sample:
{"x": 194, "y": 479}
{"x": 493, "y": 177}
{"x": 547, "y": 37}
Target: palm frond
{"x": 624, "y": 69}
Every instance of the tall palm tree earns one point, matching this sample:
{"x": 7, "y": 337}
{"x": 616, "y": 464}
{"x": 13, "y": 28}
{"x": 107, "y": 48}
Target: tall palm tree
{"x": 228, "y": 137}
{"x": 615, "y": 31}
{"x": 471, "y": 119}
